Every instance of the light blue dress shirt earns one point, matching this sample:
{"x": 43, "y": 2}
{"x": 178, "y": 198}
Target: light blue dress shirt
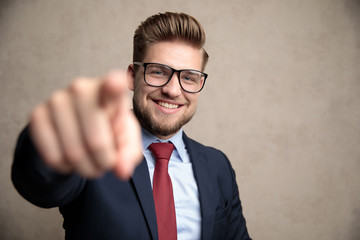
{"x": 186, "y": 194}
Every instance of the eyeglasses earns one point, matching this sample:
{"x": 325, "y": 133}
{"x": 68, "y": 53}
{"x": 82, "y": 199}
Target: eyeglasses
{"x": 158, "y": 75}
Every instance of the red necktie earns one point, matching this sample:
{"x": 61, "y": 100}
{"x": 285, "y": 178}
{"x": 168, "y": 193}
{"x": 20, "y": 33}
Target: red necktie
{"x": 163, "y": 192}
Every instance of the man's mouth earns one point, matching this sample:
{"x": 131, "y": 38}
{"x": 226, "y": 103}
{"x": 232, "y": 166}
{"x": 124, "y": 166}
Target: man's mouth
{"x": 168, "y": 105}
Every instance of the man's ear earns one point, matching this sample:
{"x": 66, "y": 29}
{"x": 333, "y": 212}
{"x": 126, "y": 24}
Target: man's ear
{"x": 131, "y": 77}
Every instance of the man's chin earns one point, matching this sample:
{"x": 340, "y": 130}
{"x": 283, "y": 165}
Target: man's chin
{"x": 164, "y": 130}
{"x": 160, "y": 125}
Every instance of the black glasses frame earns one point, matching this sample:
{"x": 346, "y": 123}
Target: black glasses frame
{"x": 173, "y": 71}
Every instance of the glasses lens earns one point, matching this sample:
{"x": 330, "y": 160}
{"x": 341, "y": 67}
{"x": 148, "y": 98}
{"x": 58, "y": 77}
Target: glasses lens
{"x": 157, "y": 75}
{"x": 192, "y": 81}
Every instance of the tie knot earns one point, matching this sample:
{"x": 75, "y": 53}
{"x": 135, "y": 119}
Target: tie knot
{"x": 162, "y": 150}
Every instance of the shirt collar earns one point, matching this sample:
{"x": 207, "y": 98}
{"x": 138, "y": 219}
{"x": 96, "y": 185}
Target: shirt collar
{"x": 177, "y": 140}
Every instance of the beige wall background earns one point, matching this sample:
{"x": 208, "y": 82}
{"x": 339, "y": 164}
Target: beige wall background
{"x": 282, "y": 100}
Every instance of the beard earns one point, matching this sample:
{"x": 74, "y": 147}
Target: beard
{"x": 159, "y": 127}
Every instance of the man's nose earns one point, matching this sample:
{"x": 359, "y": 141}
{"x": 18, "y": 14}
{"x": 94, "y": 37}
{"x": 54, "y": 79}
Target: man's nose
{"x": 173, "y": 88}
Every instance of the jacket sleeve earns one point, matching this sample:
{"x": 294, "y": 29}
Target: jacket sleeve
{"x": 36, "y": 182}
{"x": 238, "y": 229}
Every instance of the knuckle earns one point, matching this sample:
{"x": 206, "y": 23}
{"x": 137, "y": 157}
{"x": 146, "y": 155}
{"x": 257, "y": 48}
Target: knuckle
{"x": 53, "y": 161}
{"x": 96, "y": 146}
{"x": 108, "y": 162}
{"x": 93, "y": 174}
{"x": 80, "y": 86}
{"x": 101, "y": 154}
{"x": 57, "y": 99}
{"x": 74, "y": 155}
{"x": 88, "y": 170}
{"x": 37, "y": 113}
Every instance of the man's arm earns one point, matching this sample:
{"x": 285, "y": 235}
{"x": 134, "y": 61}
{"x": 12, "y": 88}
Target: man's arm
{"x": 80, "y": 132}
{"x": 238, "y": 229}
{"x": 38, "y": 183}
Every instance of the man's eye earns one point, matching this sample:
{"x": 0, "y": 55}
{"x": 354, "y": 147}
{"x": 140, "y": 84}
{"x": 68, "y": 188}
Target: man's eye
{"x": 157, "y": 72}
{"x": 190, "y": 78}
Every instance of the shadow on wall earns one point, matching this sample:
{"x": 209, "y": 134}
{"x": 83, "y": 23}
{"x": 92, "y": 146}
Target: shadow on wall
{"x": 4, "y": 5}
{"x": 353, "y": 7}
{"x": 355, "y": 225}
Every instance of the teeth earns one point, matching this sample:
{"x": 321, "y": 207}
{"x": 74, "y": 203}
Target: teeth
{"x": 168, "y": 105}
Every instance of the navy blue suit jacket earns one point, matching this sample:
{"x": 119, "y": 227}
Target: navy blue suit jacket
{"x": 109, "y": 208}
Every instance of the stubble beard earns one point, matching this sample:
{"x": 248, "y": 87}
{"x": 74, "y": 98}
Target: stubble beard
{"x": 146, "y": 120}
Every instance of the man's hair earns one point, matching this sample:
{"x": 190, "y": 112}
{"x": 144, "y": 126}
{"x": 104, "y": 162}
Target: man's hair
{"x": 169, "y": 26}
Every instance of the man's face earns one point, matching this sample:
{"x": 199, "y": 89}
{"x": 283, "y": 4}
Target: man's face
{"x": 164, "y": 110}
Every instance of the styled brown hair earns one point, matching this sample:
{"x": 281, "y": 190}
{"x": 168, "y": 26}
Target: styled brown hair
{"x": 166, "y": 27}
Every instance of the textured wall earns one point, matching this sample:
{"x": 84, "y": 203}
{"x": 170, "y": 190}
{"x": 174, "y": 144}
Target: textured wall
{"x": 282, "y": 100}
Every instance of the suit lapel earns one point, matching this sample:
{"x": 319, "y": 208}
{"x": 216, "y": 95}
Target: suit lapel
{"x": 141, "y": 180}
{"x": 205, "y": 186}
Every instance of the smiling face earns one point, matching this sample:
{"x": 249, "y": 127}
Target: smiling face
{"x": 164, "y": 110}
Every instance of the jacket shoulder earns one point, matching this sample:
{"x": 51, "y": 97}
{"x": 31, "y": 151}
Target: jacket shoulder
{"x": 213, "y": 156}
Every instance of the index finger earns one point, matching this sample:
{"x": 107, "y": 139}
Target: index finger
{"x": 114, "y": 93}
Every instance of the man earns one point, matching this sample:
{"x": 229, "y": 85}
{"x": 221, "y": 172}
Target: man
{"x": 87, "y": 154}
